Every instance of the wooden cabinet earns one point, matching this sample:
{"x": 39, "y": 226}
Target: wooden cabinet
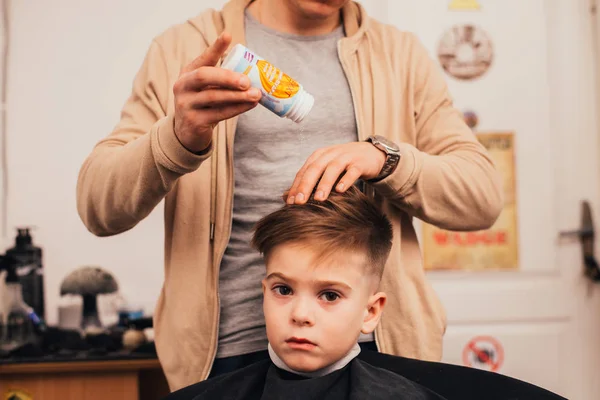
{"x": 84, "y": 380}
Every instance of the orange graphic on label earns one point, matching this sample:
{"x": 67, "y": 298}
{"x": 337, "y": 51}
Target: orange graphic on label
{"x": 275, "y": 82}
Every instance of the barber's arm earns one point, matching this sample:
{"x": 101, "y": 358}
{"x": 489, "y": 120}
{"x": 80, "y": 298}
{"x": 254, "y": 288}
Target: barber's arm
{"x": 129, "y": 172}
{"x": 447, "y": 179}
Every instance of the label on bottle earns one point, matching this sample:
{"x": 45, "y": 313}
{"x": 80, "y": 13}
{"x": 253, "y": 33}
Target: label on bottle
{"x": 278, "y": 89}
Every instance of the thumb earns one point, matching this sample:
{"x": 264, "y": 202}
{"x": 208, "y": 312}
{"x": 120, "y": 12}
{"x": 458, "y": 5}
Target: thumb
{"x": 210, "y": 57}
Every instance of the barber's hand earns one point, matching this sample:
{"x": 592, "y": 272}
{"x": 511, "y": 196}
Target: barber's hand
{"x": 206, "y": 95}
{"x": 358, "y": 160}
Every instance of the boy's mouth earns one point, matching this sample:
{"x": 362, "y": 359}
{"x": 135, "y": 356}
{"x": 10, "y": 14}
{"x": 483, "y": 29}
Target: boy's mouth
{"x": 300, "y": 343}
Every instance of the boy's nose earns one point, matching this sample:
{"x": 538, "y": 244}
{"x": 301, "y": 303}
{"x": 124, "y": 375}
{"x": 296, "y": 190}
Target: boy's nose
{"x": 302, "y": 314}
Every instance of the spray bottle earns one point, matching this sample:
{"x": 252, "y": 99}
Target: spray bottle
{"x": 28, "y": 259}
{"x": 280, "y": 93}
{"x": 19, "y": 324}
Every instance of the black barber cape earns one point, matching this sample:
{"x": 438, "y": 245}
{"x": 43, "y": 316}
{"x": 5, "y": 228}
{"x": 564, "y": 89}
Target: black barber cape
{"x": 264, "y": 381}
{"x": 371, "y": 375}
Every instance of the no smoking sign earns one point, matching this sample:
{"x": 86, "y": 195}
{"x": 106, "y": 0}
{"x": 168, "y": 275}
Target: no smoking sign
{"x": 483, "y": 352}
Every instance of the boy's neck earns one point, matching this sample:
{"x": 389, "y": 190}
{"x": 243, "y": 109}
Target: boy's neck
{"x": 341, "y": 363}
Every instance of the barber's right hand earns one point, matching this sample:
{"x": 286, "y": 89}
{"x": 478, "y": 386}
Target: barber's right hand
{"x": 206, "y": 95}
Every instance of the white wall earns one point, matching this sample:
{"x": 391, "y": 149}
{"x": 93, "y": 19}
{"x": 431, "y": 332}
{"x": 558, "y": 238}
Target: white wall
{"x": 71, "y": 69}
{"x": 3, "y": 38}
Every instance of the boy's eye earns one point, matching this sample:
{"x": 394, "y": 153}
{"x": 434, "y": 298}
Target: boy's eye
{"x": 282, "y": 290}
{"x": 330, "y": 296}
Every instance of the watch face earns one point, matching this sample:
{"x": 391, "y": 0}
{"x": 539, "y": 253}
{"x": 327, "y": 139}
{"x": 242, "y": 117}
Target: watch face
{"x": 387, "y": 143}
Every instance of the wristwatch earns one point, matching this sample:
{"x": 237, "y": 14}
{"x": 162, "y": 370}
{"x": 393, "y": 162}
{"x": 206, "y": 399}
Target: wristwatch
{"x": 392, "y": 156}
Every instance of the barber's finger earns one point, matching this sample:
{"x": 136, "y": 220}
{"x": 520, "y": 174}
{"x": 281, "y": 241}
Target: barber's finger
{"x": 350, "y": 177}
{"x": 212, "y": 54}
{"x": 291, "y": 193}
{"x": 291, "y": 196}
{"x": 207, "y": 77}
{"x": 309, "y": 180}
{"x": 218, "y": 98}
{"x": 330, "y": 176}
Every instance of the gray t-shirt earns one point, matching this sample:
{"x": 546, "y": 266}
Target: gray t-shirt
{"x": 268, "y": 152}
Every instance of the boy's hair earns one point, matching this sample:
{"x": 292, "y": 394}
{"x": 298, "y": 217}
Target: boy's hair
{"x": 347, "y": 221}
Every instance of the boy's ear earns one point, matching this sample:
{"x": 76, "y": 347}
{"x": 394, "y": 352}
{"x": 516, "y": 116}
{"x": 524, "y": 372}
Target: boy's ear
{"x": 264, "y": 286}
{"x": 373, "y": 312}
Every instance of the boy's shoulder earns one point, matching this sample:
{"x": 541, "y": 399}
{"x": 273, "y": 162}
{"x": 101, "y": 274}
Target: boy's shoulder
{"x": 457, "y": 382}
{"x": 243, "y": 382}
{"x": 370, "y": 381}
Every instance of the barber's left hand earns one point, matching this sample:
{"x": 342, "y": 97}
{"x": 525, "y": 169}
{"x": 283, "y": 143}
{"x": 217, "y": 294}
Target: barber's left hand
{"x": 356, "y": 160}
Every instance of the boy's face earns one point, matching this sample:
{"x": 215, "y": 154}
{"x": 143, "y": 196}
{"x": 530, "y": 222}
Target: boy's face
{"x": 315, "y": 312}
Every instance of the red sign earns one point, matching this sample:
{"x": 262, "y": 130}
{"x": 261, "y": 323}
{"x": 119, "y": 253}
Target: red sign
{"x": 484, "y": 352}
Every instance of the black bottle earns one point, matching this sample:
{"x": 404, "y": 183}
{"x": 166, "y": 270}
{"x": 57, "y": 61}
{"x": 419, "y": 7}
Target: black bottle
{"x": 29, "y": 269}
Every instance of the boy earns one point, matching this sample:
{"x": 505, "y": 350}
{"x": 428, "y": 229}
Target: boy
{"x": 324, "y": 264}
